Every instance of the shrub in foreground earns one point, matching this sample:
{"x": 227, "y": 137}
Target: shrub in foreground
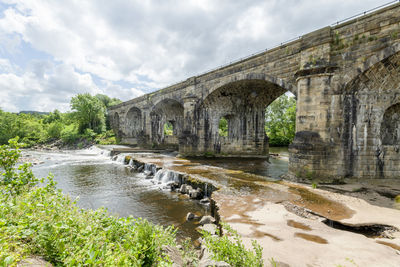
{"x": 42, "y": 221}
{"x": 230, "y": 248}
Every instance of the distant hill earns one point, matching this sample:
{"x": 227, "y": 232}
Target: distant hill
{"x": 34, "y": 112}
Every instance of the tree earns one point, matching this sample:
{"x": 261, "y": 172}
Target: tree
{"x": 107, "y": 101}
{"x": 280, "y": 120}
{"x": 53, "y": 116}
{"x": 89, "y": 112}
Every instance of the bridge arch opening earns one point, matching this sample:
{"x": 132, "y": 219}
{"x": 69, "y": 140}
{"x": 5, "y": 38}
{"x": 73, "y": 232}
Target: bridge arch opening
{"x": 223, "y": 126}
{"x": 242, "y": 105}
{"x": 390, "y": 126}
{"x": 371, "y": 113}
{"x": 166, "y": 123}
{"x": 169, "y": 128}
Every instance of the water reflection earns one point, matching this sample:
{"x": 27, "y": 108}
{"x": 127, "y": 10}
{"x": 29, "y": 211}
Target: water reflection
{"x": 98, "y": 182}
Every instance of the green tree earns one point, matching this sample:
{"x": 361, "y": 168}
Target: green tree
{"x": 53, "y": 116}
{"x": 7, "y": 126}
{"x": 89, "y": 112}
{"x": 107, "y": 101}
{"x": 223, "y": 127}
{"x": 280, "y": 121}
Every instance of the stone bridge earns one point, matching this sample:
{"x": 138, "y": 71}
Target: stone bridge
{"x": 346, "y": 79}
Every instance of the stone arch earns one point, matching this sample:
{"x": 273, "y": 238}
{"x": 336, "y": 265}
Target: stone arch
{"x": 166, "y": 110}
{"x": 254, "y": 76}
{"x": 355, "y": 72}
{"x": 390, "y": 126}
{"x": 368, "y": 100}
{"x": 244, "y": 102}
{"x": 133, "y": 122}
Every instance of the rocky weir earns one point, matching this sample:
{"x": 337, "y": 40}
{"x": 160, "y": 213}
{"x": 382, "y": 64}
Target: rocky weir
{"x": 295, "y": 224}
{"x": 179, "y": 182}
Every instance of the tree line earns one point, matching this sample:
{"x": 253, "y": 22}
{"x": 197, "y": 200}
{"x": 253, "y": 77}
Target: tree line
{"x": 86, "y": 120}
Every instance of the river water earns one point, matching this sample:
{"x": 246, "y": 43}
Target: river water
{"x": 100, "y": 182}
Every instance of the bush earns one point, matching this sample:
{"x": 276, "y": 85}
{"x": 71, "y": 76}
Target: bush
{"x": 42, "y": 221}
{"x": 106, "y": 138}
{"x": 70, "y": 134}
{"x": 229, "y": 248}
{"x": 54, "y": 129}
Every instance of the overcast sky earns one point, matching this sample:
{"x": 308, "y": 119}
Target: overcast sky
{"x": 53, "y": 50}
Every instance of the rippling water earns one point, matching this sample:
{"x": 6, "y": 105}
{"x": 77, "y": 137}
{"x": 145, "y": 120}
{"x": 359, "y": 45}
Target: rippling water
{"x": 100, "y": 182}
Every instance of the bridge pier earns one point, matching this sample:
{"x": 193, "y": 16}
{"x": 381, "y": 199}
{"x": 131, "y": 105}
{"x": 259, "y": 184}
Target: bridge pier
{"x": 315, "y": 152}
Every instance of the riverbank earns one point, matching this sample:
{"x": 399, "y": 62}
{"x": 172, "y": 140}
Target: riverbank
{"x": 330, "y": 228}
{"x": 43, "y": 221}
{"x": 282, "y": 215}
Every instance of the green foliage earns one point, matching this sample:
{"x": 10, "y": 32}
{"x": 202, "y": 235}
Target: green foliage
{"x": 280, "y": 121}
{"x": 107, "y": 101}
{"x": 89, "y": 112}
{"x": 28, "y": 127}
{"x": 52, "y": 117}
{"x": 223, "y": 127}
{"x": 106, "y": 138}
{"x": 42, "y": 221}
{"x": 230, "y": 248}
{"x": 87, "y": 122}
{"x": 14, "y": 179}
{"x": 168, "y": 129}
{"x": 314, "y": 185}
{"x": 54, "y": 129}
{"x": 70, "y": 134}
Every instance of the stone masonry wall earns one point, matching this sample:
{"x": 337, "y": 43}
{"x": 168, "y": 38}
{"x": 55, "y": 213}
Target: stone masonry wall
{"x": 345, "y": 78}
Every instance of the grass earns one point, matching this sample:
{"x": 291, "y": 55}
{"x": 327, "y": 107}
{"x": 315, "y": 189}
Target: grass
{"x": 230, "y": 248}
{"x": 42, "y": 221}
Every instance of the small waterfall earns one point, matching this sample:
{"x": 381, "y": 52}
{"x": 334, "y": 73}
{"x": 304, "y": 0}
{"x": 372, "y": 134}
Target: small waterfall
{"x": 165, "y": 176}
{"x": 205, "y": 190}
{"x": 120, "y": 158}
{"x": 130, "y": 162}
{"x": 106, "y": 153}
{"x": 147, "y": 167}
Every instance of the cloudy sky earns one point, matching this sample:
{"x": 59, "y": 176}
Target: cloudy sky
{"x": 52, "y": 50}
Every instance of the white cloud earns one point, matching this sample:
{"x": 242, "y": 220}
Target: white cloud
{"x": 145, "y": 44}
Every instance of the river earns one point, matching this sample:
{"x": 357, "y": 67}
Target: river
{"x": 100, "y": 182}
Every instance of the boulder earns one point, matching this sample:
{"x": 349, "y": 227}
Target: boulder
{"x": 206, "y": 261}
{"x": 213, "y": 263}
{"x": 206, "y": 220}
{"x": 209, "y": 227}
{"x": 174, "y": 254}
{"x": 185, "y": 189}
{"x": 182, "y": 189}
{"x": 193, "y": 194}
{"x": 205, "y": 200}
{"x": 190, "y": 216}
{"x": 196, "y": 193}
{"x": 140, "y": 168}
{"x": 172, "y": 185}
